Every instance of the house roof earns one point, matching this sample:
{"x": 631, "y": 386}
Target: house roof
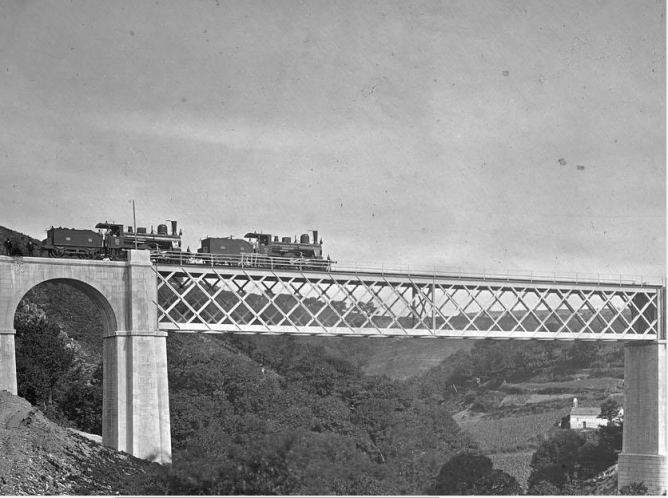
{"x": 591, "y": 411}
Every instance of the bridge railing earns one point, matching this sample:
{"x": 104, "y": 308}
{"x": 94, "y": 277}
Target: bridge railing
{"x": 498, "y": 274}
{"x": 250, "y": 260}
{"x": 279, "y": 263}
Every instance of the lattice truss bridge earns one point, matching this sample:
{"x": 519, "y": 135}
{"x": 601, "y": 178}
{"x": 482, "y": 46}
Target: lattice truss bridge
{"x": 237, "y": 300}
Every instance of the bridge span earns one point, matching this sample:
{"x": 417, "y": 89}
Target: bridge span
{"x": 367, "y": 304}
{"x": 141, "y": 303}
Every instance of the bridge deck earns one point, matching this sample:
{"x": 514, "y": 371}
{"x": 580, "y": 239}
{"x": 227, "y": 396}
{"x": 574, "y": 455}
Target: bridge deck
{"x": 365, "y": 304}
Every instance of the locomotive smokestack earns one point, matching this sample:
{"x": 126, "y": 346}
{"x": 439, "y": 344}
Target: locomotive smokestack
{"x": 315, "y": 236}
{"x": 173, "y": 227}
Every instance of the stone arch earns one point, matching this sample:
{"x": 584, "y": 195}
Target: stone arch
{"x": 108, "y": 316}
{"x": 100, "y": 302}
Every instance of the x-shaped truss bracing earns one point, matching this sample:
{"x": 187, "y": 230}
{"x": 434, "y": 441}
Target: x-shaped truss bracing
{"x": 237, "y": 300}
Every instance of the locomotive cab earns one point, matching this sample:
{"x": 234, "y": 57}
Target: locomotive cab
{"x": 117, "y": 241}
{"x": 113, "y": 236}
{"x": 263, "y": 242}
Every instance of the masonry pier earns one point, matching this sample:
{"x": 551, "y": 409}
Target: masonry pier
{"x": 643, "y": 457}
{"x": 136, "y": 396}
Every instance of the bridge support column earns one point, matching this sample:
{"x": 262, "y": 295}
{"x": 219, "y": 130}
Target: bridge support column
{"x": 136, "y": 397}
{"x": 7, "y": 361}
{"x": 643, "y": 457}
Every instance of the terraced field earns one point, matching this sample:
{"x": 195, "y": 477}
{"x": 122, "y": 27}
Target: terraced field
{"x": 510, "y": 433}
{"x": 518, "y": 433}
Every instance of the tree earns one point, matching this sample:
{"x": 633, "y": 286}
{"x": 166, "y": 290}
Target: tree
{"x": 498, "y": 482}
{"x": 593, "y": 458}
{"x": 582, "y": 354}
{"x": 295, "y": 419}
{"x": 82, "y": 402}
{"x": 610, "y": 411}
{"x": 555, "y": 460}
{"x": 544, "y": 488}
{"x": 42, "y": 356}
{"x": 471, "y": 474}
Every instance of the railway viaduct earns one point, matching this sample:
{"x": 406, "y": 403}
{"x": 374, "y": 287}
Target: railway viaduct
{"x": 141, "y": 303}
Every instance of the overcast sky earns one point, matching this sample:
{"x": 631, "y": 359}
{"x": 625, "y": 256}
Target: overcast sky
{"x": 516, "y": 135}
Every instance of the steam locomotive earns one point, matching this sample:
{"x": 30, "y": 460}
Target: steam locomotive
{"x": 112, "y": 241}
{"x": 266, "y": 250}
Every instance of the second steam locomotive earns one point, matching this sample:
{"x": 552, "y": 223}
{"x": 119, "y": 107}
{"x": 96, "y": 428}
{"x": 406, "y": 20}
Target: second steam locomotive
{"x": 112, "y": 241}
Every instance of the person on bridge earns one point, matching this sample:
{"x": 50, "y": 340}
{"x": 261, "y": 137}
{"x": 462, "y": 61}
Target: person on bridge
{"x": 8, "y": 247}
{"x": 31, "y": 248}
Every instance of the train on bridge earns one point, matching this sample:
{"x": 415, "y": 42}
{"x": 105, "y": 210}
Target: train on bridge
{"x": 112, "y": 241}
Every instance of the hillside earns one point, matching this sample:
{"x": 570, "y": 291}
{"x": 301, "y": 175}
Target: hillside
{"x": 397, "y": 358}
{"x": 41, "y": 457}
{"x": 18, "y": 240}
{"x": 405, "y": 358}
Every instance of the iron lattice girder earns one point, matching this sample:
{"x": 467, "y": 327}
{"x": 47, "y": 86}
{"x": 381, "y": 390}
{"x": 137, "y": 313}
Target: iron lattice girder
{"x": 221, "y": 299}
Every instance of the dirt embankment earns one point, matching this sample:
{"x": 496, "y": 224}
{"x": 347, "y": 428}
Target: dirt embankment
{"x": 38, "y": 456}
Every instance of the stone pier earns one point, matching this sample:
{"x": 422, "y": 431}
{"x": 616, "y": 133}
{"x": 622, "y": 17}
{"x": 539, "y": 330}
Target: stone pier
{"x": 643, "y": 457}
{"x": 136, "y": 399}
{"x": 7, "y": 361}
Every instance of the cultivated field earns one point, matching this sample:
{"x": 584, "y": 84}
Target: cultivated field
{"x": 510, "y": 433}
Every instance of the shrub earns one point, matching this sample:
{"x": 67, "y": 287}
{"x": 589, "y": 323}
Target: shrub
{"x": 635, "y": 488}
{"x": 471, "y": 474}
{"x": 555, "y": 459}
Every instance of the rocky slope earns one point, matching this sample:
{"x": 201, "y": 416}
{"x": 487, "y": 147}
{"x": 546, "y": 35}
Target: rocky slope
{"x": 38, "y": 456}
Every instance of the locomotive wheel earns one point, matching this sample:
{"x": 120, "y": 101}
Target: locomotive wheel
{"x": 56, "y": 252}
